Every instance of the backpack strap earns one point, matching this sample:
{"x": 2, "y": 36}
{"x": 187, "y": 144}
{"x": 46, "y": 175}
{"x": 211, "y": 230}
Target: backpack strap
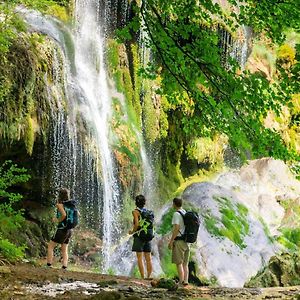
{"x": 182, "y": 215}
{"x": 140, "y": 210}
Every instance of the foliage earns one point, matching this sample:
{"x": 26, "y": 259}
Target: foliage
{"x": 11, "y": 220}
{"x": 166, "y": 224}
{"x": 10, "y": 251}
{"x": 9, "y": 26}
{"x": 207, "y": 95}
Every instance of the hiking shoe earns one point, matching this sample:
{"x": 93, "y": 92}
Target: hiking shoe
{"x": 64, "y": 267}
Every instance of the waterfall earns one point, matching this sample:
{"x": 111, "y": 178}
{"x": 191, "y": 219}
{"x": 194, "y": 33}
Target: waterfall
{"x": 80, "y": 134}
{"x": 91, "y": 77}
{"x": 81, "y": 161}
{"x": 236, "y": 48}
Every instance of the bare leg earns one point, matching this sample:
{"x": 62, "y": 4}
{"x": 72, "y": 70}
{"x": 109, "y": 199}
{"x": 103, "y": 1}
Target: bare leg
{"x": 51, "y": 247}
{"x": 139, "y": 256}
{"x": 180, "y": 272}
{"x": 186, "y": 273}
{"x": 64, "y": 253}
{"x": 148, "y": 263}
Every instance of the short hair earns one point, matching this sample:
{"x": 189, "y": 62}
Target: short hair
{"x": 177, "y": 202}
{"x": 140, "y": 201}
{"x": 63, "y": 195}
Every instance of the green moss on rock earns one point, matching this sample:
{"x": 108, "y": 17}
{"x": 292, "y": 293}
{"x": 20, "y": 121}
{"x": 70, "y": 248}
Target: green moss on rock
{"x": 281, "y": 270}
{"x": 232, "y": 224}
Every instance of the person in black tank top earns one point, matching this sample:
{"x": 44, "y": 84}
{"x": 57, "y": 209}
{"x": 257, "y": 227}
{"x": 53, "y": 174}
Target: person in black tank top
{"x": 142, "y": 248}
{"x": 62, "y": 235}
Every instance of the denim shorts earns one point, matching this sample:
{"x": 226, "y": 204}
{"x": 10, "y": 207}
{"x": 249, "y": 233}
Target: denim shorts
{"x": 140, "y": 246}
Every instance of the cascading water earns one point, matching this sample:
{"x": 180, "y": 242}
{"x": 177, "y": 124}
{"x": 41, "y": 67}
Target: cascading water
{"x": 87, "y": 172}
{"x": 79, "y": 136}
{"x": 91, "y": 77}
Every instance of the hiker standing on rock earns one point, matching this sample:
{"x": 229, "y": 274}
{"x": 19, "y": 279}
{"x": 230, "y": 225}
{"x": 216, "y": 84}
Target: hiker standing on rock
{"x": 142, "y": 235}
{"x": 65, "y": 223}
{"x": 180, "y": 248}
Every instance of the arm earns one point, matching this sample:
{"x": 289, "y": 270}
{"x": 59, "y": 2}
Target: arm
{"x": 60, "y": 207}
{"x": 136, "y": 215}
{"x": 174, "y": 234}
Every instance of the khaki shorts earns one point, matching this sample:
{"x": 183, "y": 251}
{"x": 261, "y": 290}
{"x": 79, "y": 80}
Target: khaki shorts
{"x": 180, "y": 252}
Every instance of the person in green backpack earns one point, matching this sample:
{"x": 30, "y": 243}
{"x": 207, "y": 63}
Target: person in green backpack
{"x": 142, "y": 235}
{"x": 62, "y": 235}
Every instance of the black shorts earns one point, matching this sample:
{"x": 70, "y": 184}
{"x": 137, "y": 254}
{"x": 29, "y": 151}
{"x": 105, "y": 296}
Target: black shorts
{"x": 62, "y": 236}
{"x": 140, "y": 246}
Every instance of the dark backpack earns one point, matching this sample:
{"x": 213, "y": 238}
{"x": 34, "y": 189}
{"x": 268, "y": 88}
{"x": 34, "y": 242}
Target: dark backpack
{"x": 145, "y": 231}
{"x": 192, "y": 223}
{"x": 71, "y": 220}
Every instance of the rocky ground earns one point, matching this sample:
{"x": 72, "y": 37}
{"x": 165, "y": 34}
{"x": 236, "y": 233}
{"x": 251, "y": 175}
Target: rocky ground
{"x": 25, "y": 281}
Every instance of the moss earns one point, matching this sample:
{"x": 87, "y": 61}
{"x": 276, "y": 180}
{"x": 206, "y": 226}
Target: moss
{"x": 233, "y": 223}
{"x": 29, "y": 135}
{"x": 58, "y": 11}
{"x": 290, "y": 233}
{"x": 127, "y": 208}
{"x": 136, "y": 80}
{"x": 151, "y": 124}
{"x": 118, "y": 67}
{"x": 202, "y": 175}
{"x": 126, "y": 147}
{"x": 281, "y": 270}
{"x": 290, "y": 239}
{"x": 207, "y": 150}
{"x": 168, "y": 181}
{"x": 25, "y": 101}
{"x": 112, "y": 55}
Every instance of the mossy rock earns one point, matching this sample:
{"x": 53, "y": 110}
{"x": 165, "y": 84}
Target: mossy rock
{"x": 282, "y": 270}
{"x": 165, "y": 283}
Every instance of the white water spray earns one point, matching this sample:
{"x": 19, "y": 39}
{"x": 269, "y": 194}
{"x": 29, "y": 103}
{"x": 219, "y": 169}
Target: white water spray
{"x": 91, "y": 76}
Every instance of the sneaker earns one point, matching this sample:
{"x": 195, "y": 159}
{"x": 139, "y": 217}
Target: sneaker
{"x": 185, "y": 283}
{"x": 48, "y": 265}
{"x": 64, "y": 267}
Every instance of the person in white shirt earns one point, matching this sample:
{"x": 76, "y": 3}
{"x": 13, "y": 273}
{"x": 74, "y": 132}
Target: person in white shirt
{"x": 180, "y": 248}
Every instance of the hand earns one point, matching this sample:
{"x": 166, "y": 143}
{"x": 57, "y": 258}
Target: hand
{"x": 170, "y": 245}
{"x": 130, "y": 231}
{"x": 55, "y": 220}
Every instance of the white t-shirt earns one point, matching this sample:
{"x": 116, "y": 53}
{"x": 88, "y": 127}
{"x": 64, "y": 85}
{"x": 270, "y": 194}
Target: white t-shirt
{"x": 178, "y": 219}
